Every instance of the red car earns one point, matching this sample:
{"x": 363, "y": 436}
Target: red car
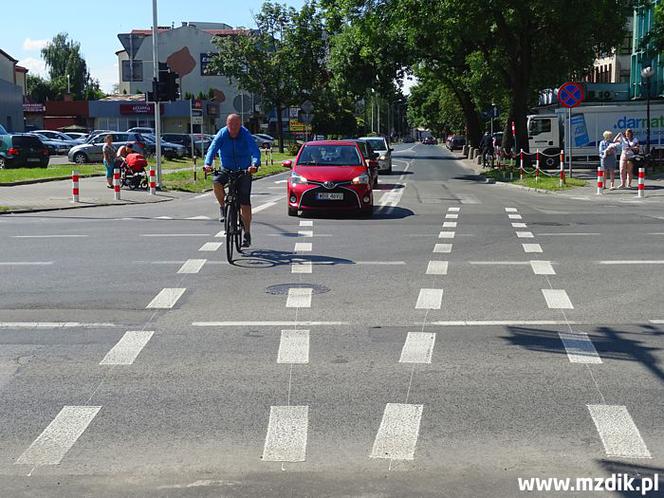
{"x": 330, "y": 175}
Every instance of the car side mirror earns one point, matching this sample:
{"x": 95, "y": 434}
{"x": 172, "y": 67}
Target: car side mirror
{"x": 287, "y": 164}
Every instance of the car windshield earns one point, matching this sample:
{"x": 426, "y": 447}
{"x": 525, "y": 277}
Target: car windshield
{"x": 377, "y": 143}
{"x": 329, "y": 155}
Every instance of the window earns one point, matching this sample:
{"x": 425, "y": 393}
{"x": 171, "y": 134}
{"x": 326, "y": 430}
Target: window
{"x": 330, "y": 155}
{"x": 137, "y": 67}
{"x": 539, "y": 126}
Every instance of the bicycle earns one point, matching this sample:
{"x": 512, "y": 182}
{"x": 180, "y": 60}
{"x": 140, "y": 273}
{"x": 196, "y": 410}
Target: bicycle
{"x": 232, "y": 220}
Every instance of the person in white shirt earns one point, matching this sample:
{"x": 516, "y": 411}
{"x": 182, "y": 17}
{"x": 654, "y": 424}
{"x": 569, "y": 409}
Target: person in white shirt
{"x": 630, "y": 147}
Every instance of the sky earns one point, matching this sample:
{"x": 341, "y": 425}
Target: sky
{"x": 96, "y": 26}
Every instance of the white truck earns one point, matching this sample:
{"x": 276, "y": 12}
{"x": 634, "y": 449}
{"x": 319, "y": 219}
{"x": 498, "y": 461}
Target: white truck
{"x": 547, "y": 132}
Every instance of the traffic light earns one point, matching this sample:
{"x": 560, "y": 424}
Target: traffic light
{"x": 166, "y": 88}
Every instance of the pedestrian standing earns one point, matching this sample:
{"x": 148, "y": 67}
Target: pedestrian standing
{"x": 108, "y": 152}
{"x": 607, "y": 157}
{"x": 630, "y": 147}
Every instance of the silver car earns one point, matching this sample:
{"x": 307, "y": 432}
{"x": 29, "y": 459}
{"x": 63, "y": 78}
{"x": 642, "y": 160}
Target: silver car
{"x": 58, "y": 135}
{"x": 379, "y": 145}
{"x": 92, "y": 150}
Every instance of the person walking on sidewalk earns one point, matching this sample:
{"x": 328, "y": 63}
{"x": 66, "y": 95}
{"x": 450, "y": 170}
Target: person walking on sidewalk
{"x": 607, "y": 157}
{"x": 630, "y": 147}
{"x": 108, "y": 152}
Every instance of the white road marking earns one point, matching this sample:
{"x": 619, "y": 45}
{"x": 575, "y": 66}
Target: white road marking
{"x": 454, "y": 209}
{"x": 58, "y": 438}
{"x": 429, "y": 299}
{"x": 511, "y": 210}
{"x": 637, "y": 262}
{"x": 55, "y": 325}
{"x": 579, "y": 348}
{"x": 198, "y": 218}
{"x": 302, "y": 267}
{"x": 293, "y": 347}
{"x": 303, "y": 247}
{"x": 163, "y": 218}
{"x": 286, "y": 439}
{"x": 49, "y": 236}
{"x": 557, "y": 299}
{"x": 468, "y": 199}
{"x": 306, "y": 223}
{"x": 166, "y": 298}
{"x": 299, "y": 297}
{"x": 263, "y": 207}
{"x": 418, "y": 347}
{"x": 514, "y": 216}
{"x": 128, "y": 348}
{"x": 305, "y": 233}
{"x": 532, "y": 248}
{"x": 26, "y": 263}
{"x": 450, "y": 224}
{"x": 210, "y": 246}
{"x": 281, "y": 181}
{"x": 202, "y": 196}
{"x": 265, "y": 324}
{"x": 542, "y": 268}
{"x": 175, "y": 235}
{"x": 437, "y": 268}
{"x": 452, "y": 216}
{"x": 446, "y": 235}
{"x": 192, "y": 266}
{"x": 519, "y": 225}
{"x": 619, "y": 434}
{"x": 525, "y": 235}
{"x": 442, "y": 248}
{"x": 498, "y": 263}
{"x": 220, "y": 234}
{"x": 499, "y": 323}
{"x": 397, "y": 435}
{"x": 656, "y": 322}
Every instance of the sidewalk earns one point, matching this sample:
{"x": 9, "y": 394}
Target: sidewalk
{"x": 654, "y": 187}
{"x": 57, "y": 195}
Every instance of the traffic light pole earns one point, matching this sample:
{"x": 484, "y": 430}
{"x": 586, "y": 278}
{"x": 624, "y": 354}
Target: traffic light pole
{"x": 157, "y": 110}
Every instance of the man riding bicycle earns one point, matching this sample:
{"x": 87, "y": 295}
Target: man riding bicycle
{"x": 238, "y": 152}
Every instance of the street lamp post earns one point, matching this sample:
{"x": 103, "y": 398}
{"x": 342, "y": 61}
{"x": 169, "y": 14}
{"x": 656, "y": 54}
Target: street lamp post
{"x": 647, "y": 74}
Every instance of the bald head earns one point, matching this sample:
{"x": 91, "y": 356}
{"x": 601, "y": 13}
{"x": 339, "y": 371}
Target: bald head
{"x": 233, "y": 123}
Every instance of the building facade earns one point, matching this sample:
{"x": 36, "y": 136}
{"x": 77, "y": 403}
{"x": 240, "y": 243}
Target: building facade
{"x": 187, "y": 50}
{"x": 643, "y": 22}
{"x": 11, "y": 93}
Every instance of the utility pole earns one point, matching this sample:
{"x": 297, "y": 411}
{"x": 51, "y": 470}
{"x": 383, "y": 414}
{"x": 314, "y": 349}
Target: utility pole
{"x": 155, "y": 74}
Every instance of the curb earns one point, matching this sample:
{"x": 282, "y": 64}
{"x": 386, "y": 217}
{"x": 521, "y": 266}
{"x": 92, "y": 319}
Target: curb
{"x": 46, "y": 180}
{"x": 65, "y": 208}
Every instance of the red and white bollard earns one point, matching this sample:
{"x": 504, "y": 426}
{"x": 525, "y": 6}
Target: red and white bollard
{"x": 74, "y": 186}
{"x": 521, "y": 166}
{"x": 153, "y": 182}
{"x": 537, "y": 166}
{"x": 116, "y": 183}
{"x": 642, "y": 183}
{"x": 562, "y": 168}
{"x": 600, "y": 181}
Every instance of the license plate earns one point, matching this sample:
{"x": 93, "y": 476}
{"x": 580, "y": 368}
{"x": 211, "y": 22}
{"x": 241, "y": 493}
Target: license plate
{"x": 330, "y": 196}
{"x": 33, "y": 159}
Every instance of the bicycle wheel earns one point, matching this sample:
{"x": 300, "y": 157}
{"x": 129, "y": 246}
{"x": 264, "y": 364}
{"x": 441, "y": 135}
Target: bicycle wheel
{"x": 239, "y": 231}
{"x": 231, "y": 226}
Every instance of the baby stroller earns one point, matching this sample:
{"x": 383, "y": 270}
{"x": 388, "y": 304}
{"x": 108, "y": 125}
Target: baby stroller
{"x": 132, "y": 172}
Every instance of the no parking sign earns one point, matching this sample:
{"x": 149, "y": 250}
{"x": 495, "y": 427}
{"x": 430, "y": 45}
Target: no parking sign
{"x": 571, "y": 95}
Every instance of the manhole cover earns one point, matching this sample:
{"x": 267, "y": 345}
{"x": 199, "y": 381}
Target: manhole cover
{"x": 282, "y": 289}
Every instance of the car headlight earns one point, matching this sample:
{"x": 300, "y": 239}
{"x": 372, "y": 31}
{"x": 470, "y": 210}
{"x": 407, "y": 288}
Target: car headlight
{"x": 296, "y": 179}
{"x": 361, "y": 180}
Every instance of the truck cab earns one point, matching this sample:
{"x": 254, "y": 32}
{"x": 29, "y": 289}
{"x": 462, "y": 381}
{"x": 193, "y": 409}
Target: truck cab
{"x": 545, "y": 133}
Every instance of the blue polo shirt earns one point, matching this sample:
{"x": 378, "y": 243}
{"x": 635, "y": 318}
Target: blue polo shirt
{"x": 235, "y": 153}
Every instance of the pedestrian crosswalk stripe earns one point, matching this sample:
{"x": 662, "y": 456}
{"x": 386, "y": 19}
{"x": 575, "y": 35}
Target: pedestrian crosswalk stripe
{"x": 293, "y": 346}
{"x": 514, "y": 216}
{"x": 451, "y": 216}
{"x": 450, "y": 224}
{"x": 446, "y": 235}
{"x": 286, "y": 439}
{"x": 519, "y": 225}
{"x": 398, "y": 432}
{"x": 306, "y": 223}
{"x": 557, "y": 299}
{"x": 542, "y": 268}
{"x": 128, "y": 348}
{"x": 299, "y": 297}
{"x": 418, "y": 347}
{"x": 303, "y": 247}
{"x": 166, "y": 299}
{"x": 442, "y": 248}
{"x": 579, "y": 348}
{"x": 301, "y": 267}
{"x": 618, "y": 432}
{"x": 454, "y": 209}
{"x": 429, "y": 299}
{"x": 511, "y": 210}
{"x": 437, "y": 268}
{"x": 210, "y": 247}
{"x": 525, "y": 235}
{"x": 532, "y": 248}
{"x": 192, "y": 266}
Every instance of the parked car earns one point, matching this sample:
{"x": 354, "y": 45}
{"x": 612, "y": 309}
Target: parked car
{"x": 55, "y": 147}
{"x": 262, "y": 142}
{"x": 142, "y": 130}
{"x": 456, "y": 142}
{"x": 379, "y": 144}
{"x": 58, "y": 135}
{"x": 371, "y": 158}
{"x": 168, "y": 149}
{"x": 75, "y": 135}
{"x": 201, "y": 142}
{"x": 429, "y": 140}
{"x": 265, "y": 136}
{"x": 331, "y": 176}
{"x": 91, "y": 151}
{"x": 408, "y": 139}
{"x": 21, "y": 150}
{"x": 2, "y": 130}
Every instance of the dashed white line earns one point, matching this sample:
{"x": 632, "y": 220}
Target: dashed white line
{"x": 429, "y": 299}
{"x": 306, "y": 223}
{"x": 192, "y": 266}
{"x": 398, "y": 432}
{"x": 519, "y": 225}
{"x": 532, "y": 248}
{"x": 166, "y": 299}
{"x": 302, "y": 267}
{"x": 299, "y": 297}
{"x": 197, "y": 218}
{"x": 633, "y": 262}
{"x": 418, "y": 347}
{"x": 49, "y": 236}
{"x": 266, "y": 323}
{"x": 55, "y": 325}
{"x": 450, "y": 216}
{"x": 557, "y": 299}
{"x": 210, "y": 246}
{"x": 442, "y": 248}
{"x": 303, "y": 247}
{"x": 286, "y": 439}
{"x": 128, "y": 348}
{"x": 58, "y": 438}
{"x": 437, "y": 268}
{"x": 454, "y": 209}
{"x": 618, "y": 432}
{"x": 450, "y": 224}
{"x": 175, "y": 235}
{"x": 542, "y": 268}
{"x": 305, "y": 233}
{"x": 293, "y": 347}
{"x": 579, "y": 348}
{"x": 26, "y": 263}
{"x": 514, "y": 216}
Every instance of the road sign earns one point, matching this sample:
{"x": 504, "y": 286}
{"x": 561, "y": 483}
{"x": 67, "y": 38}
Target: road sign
{"x": 570, "y": 95}
{"x": 305, "y": 117}
{"x": 242, "y": 103}
{"x": 197, "y": 120}
{"x": 307, "y": 106}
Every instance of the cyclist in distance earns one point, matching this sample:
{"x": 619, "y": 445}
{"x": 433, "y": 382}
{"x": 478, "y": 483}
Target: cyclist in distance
{"x": 238, "y": 152}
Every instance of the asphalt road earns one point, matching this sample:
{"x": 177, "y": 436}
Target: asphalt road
{"x": 385, "y": 359}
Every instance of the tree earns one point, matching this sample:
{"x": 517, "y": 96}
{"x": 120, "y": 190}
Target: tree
{"x": 38, "y": 89}
{"x": 280, "y": 60}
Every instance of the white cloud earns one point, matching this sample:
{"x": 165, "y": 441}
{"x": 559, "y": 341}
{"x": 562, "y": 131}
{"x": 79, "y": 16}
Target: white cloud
{"x": 35, "y": 66}
{"x": 29, "y": 44}
{"x": 107, "y": 76}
